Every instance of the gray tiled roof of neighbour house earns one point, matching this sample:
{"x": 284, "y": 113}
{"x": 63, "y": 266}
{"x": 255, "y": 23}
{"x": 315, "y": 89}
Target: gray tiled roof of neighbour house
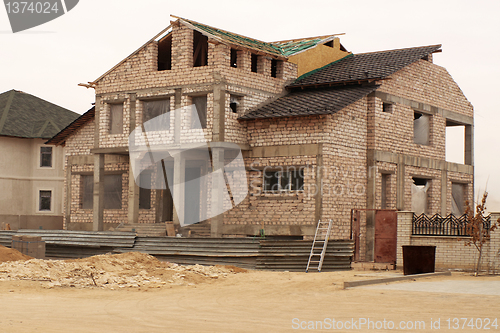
{"x": 364, "y": 66}
{"x": 330, "y": 88}
{"x": 60, "y": 138}
{"x": 311, "y": 102}
{"x": 26, "y": 116}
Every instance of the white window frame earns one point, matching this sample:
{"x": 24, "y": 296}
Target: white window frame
{"x": 37, "y": 201}
{"x": 39, "y": 157}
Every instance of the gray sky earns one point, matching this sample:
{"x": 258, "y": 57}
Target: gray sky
{"x": 49, "y": 61}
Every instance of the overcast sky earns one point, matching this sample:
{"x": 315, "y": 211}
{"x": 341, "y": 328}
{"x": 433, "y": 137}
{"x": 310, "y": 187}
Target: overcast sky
{"x": 49, "y": 61}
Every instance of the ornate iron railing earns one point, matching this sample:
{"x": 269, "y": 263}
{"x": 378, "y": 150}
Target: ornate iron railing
{"x": 438, "y": 225}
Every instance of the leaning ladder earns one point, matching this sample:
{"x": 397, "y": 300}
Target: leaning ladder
{"x": 318, "y": 239}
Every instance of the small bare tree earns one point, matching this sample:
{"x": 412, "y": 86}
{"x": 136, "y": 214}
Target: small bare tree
{"x": 477, "y": 229}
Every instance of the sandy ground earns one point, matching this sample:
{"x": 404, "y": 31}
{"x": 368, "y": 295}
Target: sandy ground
{"x": 254, "y": 301}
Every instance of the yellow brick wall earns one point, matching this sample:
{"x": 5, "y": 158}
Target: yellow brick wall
{"x": 344, "y": 162}
{"x": 428, "y": 83}
{"x": 451, "y": 252}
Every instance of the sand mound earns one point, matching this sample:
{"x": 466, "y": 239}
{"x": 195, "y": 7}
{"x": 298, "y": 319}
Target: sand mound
{"x": 7, "y": 254}
{"x": 131, "y": 269}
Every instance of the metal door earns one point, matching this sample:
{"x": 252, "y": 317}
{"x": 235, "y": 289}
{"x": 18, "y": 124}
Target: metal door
{"x": 386, "y": 233}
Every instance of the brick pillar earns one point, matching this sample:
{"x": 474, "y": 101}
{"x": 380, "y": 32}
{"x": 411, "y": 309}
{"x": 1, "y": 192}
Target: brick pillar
{"x": 67, "y": 192}
{"x": 133, "y": 102}
{"x": 219, "y": 107}
{"x": 244, "y": 60}
{"x": 400, "y": 183}
{"x": 469, "y": 144}
{"x": 280, "y": 69}
{"x": 133, "y": 197}
{"x": 494, "y": 247}
{"x": 404, "y": 234}
{"x": 133, "y": 189}
{"x": 219, "y": 55}
{"x": 179, "y": 186}
{"x": 218, "y": 186}
{"x": 264, "y": 65}
{"x": 182, "y": 47}
{"x": 289, "y": 71}
{"x": 444, "y": 191}
{"x": 371, "y": 181}
{"x": 371, "y": 171}
{"x": 177, "y": 115}
{"x": 318, "y": 199}
{"x": 98, "y": 217}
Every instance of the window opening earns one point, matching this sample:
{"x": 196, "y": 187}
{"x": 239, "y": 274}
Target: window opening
{"x": 45, "y": 201}
{"x": 46, "y": 157}
{"x": 165, "y": 53}
{"x": 234, "y": 58}
{"x": 200, "y": 49}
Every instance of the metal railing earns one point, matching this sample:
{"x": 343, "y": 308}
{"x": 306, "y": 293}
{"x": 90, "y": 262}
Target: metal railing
{"x": 438, "y": 225}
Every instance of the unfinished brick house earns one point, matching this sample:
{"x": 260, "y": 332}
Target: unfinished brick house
{"x": 322, "y": 131}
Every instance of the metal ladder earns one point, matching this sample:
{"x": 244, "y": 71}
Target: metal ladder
{"x": 317, "y": 239}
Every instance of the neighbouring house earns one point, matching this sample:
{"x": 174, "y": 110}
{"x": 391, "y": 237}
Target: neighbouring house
{"x": 31, "y": 172}
{"x": 322, "y": 131}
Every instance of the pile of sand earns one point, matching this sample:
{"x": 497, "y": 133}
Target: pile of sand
{"x": 110, "y": 271}
{"x": 7, "y": 254}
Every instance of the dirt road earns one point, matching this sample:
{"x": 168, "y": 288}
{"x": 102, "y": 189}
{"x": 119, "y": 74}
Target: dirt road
{"x": 244, "y": 302}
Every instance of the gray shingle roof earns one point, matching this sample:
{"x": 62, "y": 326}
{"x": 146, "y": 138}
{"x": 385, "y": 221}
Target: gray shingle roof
{"x": 312, "y": 102}
{"x": 364, "y": 66}
{"x": 60, "y": 138}
{"x": 340, "y": 83}
{"x": 26, "y": 116}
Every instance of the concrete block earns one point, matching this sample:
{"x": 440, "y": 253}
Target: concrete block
{"x": 170, "y": 229}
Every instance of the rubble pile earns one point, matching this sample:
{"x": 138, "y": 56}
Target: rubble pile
{"x": 111, "y": 271}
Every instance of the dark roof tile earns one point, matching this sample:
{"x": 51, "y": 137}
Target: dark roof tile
{"x": 311, "y": 102}
{"x": 26, "y": 116}
{"x": 364, "y": 66}
{"x": 60, "y": 138}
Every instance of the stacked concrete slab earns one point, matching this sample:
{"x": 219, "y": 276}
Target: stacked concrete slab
{"x": 32, "y": 246}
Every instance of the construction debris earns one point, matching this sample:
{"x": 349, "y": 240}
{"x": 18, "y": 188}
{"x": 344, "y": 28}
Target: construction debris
{"x": 112, "y": 271}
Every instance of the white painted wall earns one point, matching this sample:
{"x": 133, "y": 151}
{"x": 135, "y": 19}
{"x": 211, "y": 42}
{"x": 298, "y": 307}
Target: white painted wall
{"x": 21, "y": 177}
